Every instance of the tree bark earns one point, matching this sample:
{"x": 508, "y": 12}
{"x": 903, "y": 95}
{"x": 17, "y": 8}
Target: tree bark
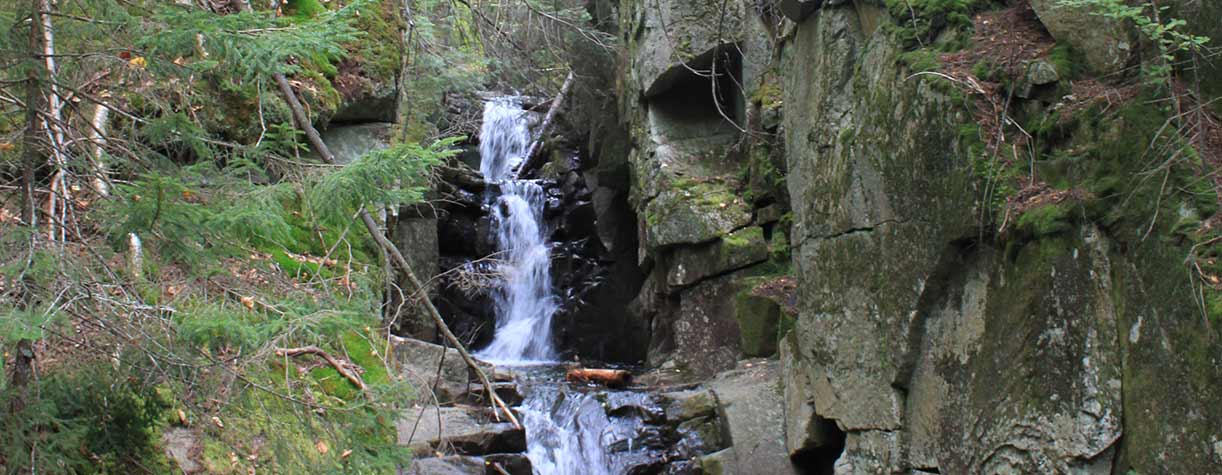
{"x": 55, "y": 132}
{"x": 97, "y": 135}
{"x": 532, "y": 153}
{"x": 396, "y": 257}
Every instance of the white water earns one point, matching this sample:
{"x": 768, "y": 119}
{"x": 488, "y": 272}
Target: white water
{"x": 524, "y": 301}
{"x": 568, "y": 432}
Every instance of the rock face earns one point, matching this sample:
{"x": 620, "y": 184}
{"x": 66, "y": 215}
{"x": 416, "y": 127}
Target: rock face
{"x": 750, "y": 401}
{"x": 921, "y": 346}
{"x": 703, "y": 74}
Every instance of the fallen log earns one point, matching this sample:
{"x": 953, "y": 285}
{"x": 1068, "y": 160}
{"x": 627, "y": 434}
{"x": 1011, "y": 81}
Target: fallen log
{"x": 612, "y": 378}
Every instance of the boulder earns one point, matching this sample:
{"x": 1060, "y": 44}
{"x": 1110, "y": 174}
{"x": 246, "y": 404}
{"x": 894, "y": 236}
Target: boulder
{"x": 704, "y": 334}
{"x": 457, "y": 430}
{"x": 419, "y": 362}
{"x": 349, "y": 142}
{"x": 1107, "y": 45}
{"x": 451, "y": 465}
{"x": 761, "y": 319}
{"x": 750, "y": 400}
{"x": 182, "y": 446}
{"x": 739, "y": 249}
{"x": 694, "y": 214}
{"x": 415, "y": 234}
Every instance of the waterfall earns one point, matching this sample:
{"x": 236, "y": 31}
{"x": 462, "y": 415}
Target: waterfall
{"x": 568, "y": 431}
{"x": 524, "y": 300}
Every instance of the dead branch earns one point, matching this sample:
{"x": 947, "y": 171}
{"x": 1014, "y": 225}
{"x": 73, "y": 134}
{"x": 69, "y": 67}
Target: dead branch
{"x": 396, "y": 257}
{"x": 532, "y": 153}
{"x": 341, "y": 367}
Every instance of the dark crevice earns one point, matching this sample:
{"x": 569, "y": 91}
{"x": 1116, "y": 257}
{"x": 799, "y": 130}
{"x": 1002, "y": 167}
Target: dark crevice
{"x": 821, "y": 459}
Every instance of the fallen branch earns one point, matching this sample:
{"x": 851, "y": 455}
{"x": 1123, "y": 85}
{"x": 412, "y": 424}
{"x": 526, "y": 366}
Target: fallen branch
{"x": 532, "y": 153}
{"x": 337, "y": 364}
{"x": 397, "y": 258}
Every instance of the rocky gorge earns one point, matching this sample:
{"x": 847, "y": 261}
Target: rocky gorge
{"x": 862, "y": 237}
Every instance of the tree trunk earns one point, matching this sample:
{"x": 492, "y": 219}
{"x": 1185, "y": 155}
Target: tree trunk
{"x": 23, "y": 356}
{"x": 97, "y": 136}
{"x": 56, "y": 208}
{"x": 532, "y": 153}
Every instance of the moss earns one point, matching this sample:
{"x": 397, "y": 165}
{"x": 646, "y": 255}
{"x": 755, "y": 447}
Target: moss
{"x": 1067, "y": 61}
{"x": 921, "y": 60}
{"x": 303, "y": 8}
{"x": 1045, "y": 220}
{"x": 919, "y": 22}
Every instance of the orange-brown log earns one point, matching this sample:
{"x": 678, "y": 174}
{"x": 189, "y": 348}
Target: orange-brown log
{"x": 614, "y": 378}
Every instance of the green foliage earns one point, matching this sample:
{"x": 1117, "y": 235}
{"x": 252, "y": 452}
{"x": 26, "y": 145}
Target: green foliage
{"x": 1044, "y": 220}
{"x": 95, "y": 419}
{"x": 304, "y": 8}
{"x": 1166, "y": 34}
{"x": 216, "y": 327}
{"x": 920, "y": 60}
{"x": 248, "y": 45}
{"x": 391, "y": 177}
{"x": 918, "y": 22}
{"x": 155, "y": 207}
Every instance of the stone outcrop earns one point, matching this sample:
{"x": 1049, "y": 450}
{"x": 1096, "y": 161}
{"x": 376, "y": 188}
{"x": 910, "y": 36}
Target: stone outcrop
{"x": 696, "y": 77}
{"x": 931, "y": 336}
{"x": 929, "y": 343}
{"x": 1107, "y": 45}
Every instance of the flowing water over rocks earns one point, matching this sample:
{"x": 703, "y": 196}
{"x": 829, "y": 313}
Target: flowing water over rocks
{"x": 569, "y": 431}
{"x": 524, "y": 301}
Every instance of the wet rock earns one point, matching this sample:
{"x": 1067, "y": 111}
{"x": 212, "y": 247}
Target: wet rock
{"x": 458, "y": 234}
{"x": 718, "y": 463}
{"x": 690, "y": 404}
{"x": 507, "y": 390}
{"x": 457, "y": 430}
{"x": 513, "y": 464}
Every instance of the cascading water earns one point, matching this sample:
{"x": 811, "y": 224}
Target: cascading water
{"x": 524, "y": 302}
{"x": 568, "y": 431}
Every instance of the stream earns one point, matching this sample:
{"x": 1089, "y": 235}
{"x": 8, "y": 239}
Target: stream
{"x": 569, "y": 429}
